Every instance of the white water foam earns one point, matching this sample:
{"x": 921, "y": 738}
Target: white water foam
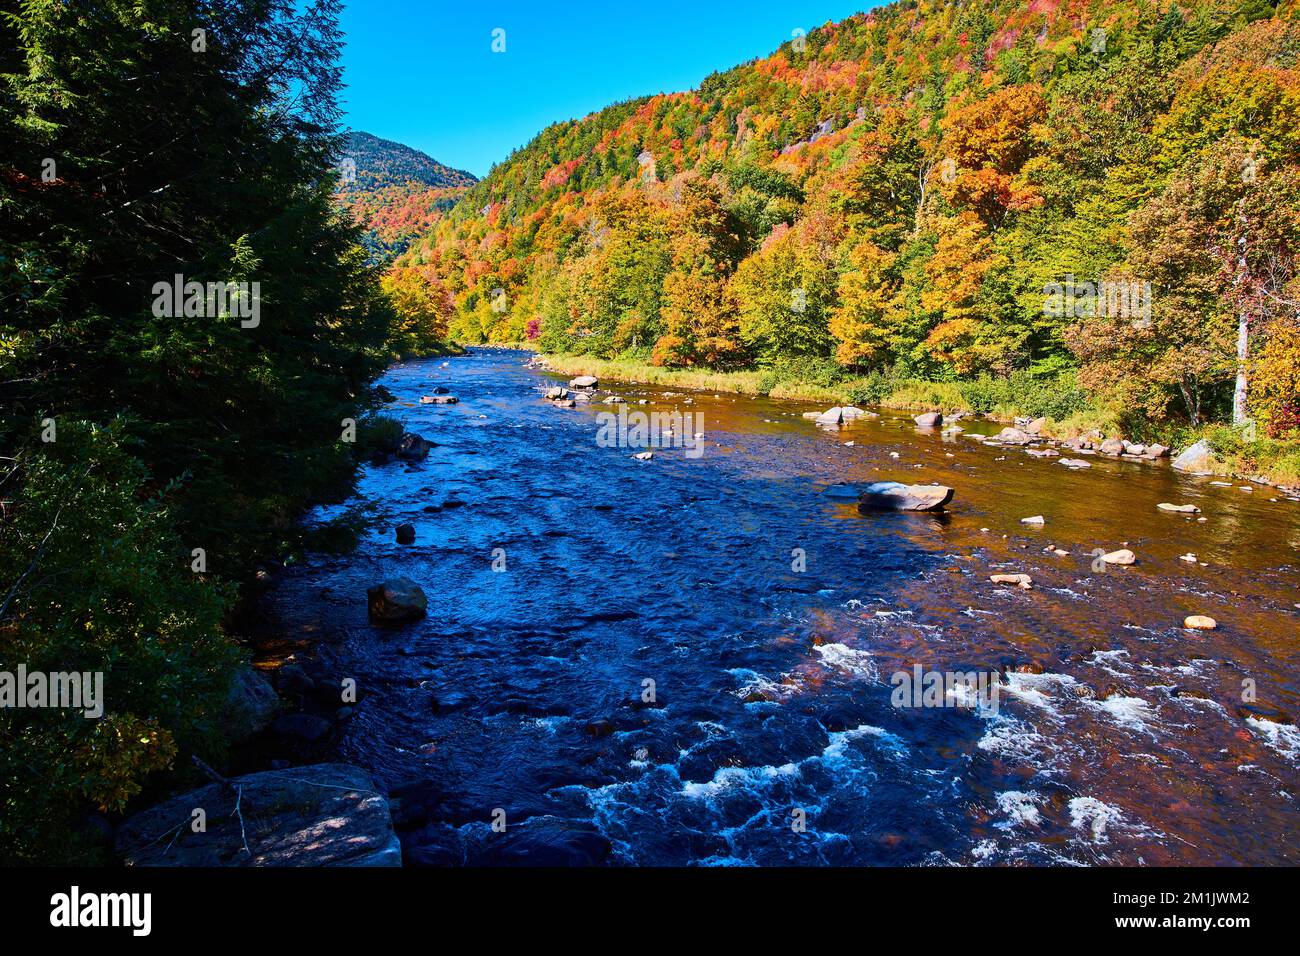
{"x": 1093, "y": 817}
{"x": 855, "y": 661}
{"x": 1021, "y": 809}
{"x": 1284, "y": 738}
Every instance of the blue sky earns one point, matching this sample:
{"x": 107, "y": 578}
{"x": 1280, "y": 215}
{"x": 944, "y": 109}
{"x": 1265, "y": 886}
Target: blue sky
{"x": 422, "y": 72}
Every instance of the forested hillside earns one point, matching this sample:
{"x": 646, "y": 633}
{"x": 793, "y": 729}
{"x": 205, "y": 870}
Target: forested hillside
{"x": 1084, "y": 197}
{"x": 397, "y": 193}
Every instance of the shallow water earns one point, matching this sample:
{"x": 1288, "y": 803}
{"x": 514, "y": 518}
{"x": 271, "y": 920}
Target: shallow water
{"x": 1117, "y": 737}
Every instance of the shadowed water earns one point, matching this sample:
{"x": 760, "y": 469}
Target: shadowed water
{"x": 1120, "y": 737}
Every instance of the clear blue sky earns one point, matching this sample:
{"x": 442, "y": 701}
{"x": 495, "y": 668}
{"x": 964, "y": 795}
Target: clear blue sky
{"x": 422, "y": 72}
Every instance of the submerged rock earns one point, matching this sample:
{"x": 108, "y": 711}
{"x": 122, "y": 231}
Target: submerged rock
{"x": 396, "y": 601}
{"x": 322, "y": 815}
{"x": 896, "y": 496}
{"x": 545, "y": 841}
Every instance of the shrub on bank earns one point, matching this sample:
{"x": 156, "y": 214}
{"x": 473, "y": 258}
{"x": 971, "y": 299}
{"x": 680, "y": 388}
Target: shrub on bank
{"x": 99, "y": 583}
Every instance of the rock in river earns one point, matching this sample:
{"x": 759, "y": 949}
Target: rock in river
{"x": 413, "y": 447}
{"x": 250, "y": 706}
{"x": 546, "y": 841}
{"x": 832, "y": 416}
{"x": 1181, "y": 509}
{"x": 1013, "y": 436}
{"x": 406, "y": 533}
{"x": 396, "y": 601}
{"x": 301, "y": 727}
{"x": 895, "y": 496}
{"x": 1199, "y": 622}
{"x": 322, "y": 815}
{"x": 1199, "y": 457}
{"x": 1122, "y": 557}
{"x": 1020, "y": 580}
{"x": 929, "y": 419}
{"x": 438, "y": 399}
{"x": 584, "y": 381}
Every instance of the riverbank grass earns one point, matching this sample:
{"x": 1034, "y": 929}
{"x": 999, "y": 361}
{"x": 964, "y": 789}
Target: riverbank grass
{"x": 1068, "y": 410}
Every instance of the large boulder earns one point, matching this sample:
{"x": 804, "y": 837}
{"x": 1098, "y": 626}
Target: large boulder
{"x": 895, "y": 496}
{"x": 584, "y": 381}
{"x": 832, "y": 416}
{"x": 1013, "y": 436}
{"x": 929, "y": 419}
{"x": 851, "y": 412}
{"x": 397, "y": 601}
{"x": 322, "y": 815}
{"x": 1199, "y": 457}
{"x": 1113, "y": 446}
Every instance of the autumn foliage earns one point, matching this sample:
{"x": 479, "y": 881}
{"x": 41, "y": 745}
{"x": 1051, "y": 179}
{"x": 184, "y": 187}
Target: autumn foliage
{"x": 900, "y": 190}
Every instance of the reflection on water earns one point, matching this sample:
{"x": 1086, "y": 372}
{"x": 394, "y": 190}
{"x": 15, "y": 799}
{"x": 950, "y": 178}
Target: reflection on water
{"x": 1120, "y": 736}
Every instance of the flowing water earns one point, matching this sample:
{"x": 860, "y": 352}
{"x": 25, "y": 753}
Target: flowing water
{"x": 770, "y": 617}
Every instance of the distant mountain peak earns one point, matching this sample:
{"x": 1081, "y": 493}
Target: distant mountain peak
{"x": 382, "y": 162}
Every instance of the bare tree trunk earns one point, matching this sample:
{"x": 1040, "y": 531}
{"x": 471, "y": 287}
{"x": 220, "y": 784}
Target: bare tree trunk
{"x": 1243, "y": 324}
{"x": 1243, "y": 353}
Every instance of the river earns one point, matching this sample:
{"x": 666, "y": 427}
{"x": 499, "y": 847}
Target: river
{"x": 563, "y": 577}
